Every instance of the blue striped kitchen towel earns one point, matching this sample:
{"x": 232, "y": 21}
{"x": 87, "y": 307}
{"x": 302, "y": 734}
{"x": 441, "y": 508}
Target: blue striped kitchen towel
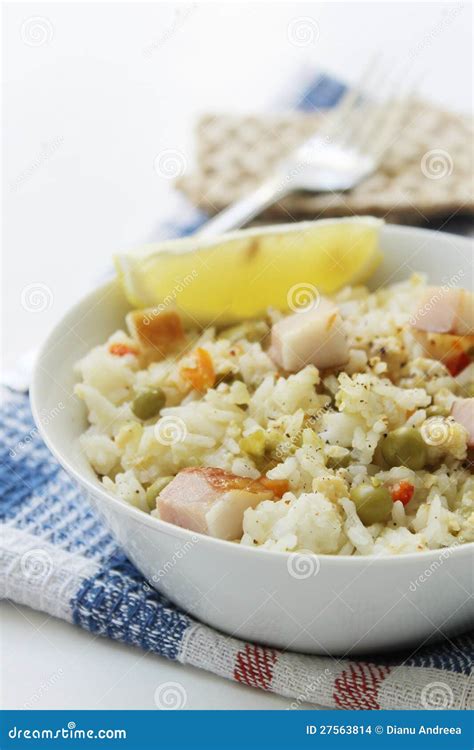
{"x": 57, "y": 556}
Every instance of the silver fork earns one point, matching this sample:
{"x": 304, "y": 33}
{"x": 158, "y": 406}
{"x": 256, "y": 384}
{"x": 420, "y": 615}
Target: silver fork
{"x": 348, "y": 148}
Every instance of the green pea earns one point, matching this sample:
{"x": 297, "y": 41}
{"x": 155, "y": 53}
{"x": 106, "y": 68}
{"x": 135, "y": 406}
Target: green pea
{"x": 154, "y": 490}
{"x": 373, "y": 504}
{"x": 148, "y": 404}
{"x": 404, "y": 447}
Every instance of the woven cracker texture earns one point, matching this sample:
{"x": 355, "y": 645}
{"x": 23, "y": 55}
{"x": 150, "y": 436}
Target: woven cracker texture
{"x": 426, "y": 172}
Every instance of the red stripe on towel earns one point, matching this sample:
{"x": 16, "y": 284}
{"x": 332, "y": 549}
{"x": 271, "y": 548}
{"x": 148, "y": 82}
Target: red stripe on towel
{"x": 357, "y": 687}
{"x": 254, "y": 666}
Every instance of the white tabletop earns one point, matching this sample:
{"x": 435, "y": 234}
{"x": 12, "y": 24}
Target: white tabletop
{"x": 93, "y": 93}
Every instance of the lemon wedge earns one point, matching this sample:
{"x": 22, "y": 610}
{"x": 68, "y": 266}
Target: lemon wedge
{"x": 239, "y": 275}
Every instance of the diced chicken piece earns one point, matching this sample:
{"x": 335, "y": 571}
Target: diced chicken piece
{"x": 210, "y": 501}
{"x": 446, "y": 310}
{"x": 463, "y": 412}
{"x": 313, "y": 336}
{"x": 156, "y": 329}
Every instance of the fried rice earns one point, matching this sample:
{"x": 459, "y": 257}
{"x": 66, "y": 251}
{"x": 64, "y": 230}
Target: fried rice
{"x": 317, "y": 431}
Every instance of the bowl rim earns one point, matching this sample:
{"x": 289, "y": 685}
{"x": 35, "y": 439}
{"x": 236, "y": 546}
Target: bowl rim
{"x": 95, "y": 488}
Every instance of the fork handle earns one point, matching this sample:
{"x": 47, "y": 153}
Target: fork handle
{"x": 240, "y": 212}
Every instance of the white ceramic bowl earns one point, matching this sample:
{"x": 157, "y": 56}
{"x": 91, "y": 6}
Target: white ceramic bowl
{"x": 332, "y": 605}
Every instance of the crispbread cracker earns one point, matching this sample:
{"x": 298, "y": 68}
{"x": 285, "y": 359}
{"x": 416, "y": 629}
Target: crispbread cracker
{"x": 426, "y": 172}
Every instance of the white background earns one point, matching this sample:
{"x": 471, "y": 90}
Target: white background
{"x": 114, "y": 85}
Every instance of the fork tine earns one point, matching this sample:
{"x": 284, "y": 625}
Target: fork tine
{"x": 337, "y": 122}
{"x": 356, "y": 119}
{"x": 364, "y": 123}
{"x": 391, "y": 123}
{"x": 384, "y": 120}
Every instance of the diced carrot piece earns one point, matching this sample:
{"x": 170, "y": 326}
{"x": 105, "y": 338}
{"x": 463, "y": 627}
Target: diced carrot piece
{"x": 402, "y": 491}
{"x": 277, "y": 486}
{"x": 457, "y": 363}
{"x": 120, "y": 350}
{"x": 202, "y": 376}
